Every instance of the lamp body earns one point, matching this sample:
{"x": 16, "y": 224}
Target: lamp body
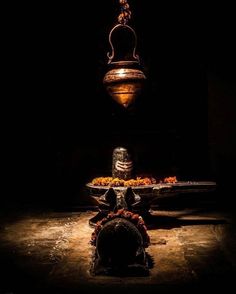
{"x": 124, "y": 83}
{"x": 124, "y": 80}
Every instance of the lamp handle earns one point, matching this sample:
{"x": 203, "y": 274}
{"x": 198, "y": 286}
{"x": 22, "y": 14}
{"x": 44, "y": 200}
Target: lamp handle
{"x": 112, "y": 54}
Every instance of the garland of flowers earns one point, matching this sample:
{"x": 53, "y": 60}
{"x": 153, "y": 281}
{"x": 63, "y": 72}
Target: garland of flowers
{"x": 125, "y": 14}
{"x": 136, "y": 219}
{"x": 139, "y": 181}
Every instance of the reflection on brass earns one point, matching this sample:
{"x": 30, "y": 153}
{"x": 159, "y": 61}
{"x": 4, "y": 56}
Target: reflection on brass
{"x": 124, "y": 84}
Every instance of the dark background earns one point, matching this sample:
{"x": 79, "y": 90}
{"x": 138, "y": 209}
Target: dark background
{"x": 64, "y": 126}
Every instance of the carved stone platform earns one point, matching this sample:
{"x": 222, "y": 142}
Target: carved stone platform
{"x": 139, "y": 198}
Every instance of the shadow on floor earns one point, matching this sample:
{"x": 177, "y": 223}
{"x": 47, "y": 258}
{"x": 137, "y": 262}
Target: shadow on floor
{"x": 169, "y": 222}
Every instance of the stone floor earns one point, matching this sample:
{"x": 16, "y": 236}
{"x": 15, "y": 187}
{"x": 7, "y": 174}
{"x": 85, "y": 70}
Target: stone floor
{"x": 51, "y": 251}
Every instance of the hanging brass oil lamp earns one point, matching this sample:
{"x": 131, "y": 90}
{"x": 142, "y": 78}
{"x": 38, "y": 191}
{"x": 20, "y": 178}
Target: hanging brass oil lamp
{"x": 124, "y": 80}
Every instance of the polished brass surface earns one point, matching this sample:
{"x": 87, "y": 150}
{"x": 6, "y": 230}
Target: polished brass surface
{"x": 124, "y": 80}
{"x": 124, "y": 84}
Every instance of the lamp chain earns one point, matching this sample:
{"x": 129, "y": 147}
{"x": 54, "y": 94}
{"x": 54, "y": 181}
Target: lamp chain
{"x": 125, "y": 14}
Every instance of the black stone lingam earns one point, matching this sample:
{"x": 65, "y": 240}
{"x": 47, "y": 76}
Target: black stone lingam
{"x": 114, "y": 199}
{"x": 120, "y": 235}
{"x": 122, "y": 165}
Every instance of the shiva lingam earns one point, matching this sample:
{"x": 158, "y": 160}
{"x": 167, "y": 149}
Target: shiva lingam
{"x": 113, "y": 198}
{"x": 122, "y": 191}
{"x": 120, "y": 237}
{"x": 124, "y": 80}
